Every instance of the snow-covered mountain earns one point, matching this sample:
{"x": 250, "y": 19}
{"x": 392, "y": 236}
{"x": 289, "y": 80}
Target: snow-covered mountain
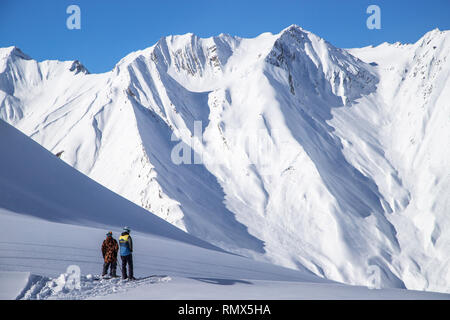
{"x": 54, "y": 220}
{"x": 312, "y": 157}
{"x": 53, "y": 216}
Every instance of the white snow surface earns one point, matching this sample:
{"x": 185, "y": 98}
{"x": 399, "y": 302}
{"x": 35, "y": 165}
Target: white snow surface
{"x": 42, "y": 240}
{"x": 181, "y": 270}
{"x": 12, "y": 284}
{"x": 351, "y": 164}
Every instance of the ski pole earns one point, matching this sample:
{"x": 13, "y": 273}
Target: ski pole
{"x": 120, "y": 265}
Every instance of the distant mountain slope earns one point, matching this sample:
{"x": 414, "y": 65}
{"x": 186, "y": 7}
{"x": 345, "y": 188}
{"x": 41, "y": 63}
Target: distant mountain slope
{"x": 313, "y": 157}
{"x": 35, "y": 183}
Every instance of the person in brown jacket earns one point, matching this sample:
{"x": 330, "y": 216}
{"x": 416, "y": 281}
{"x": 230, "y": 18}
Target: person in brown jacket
{"x": 109, "y": 251}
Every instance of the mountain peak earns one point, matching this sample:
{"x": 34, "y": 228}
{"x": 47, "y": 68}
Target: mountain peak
{"x": 293, "y": 27}
{"x": 294, "y": 30}
{"x": 308, "y": 59}
{"x": 433, "y": 34}
{"x": 13, "y": 51}
{"x": 296, "y": 35}
{"x": 78, "y": 67}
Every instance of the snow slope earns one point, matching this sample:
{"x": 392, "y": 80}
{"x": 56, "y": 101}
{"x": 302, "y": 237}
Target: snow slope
{"x": 314, "y": 157}
{"x": 54, "y": 216}
{"x": 42, "y": 239}
{"x": 12, "y": 284}
{"x": 34, "y": 182}
{"x": 186, "y": 271}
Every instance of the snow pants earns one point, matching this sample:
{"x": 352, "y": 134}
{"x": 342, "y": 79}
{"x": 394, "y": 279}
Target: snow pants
{"x": 127, "y": 260}
{"x": 107, "y": 265}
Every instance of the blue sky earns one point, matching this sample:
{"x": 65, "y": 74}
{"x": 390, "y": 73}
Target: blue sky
{"x": 110, "y": 29}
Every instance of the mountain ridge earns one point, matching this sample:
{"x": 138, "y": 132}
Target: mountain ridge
{"x": 325, "y": 190}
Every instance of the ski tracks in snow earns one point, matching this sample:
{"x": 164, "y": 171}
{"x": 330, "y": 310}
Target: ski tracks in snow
{"x": 89, "y": 286}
